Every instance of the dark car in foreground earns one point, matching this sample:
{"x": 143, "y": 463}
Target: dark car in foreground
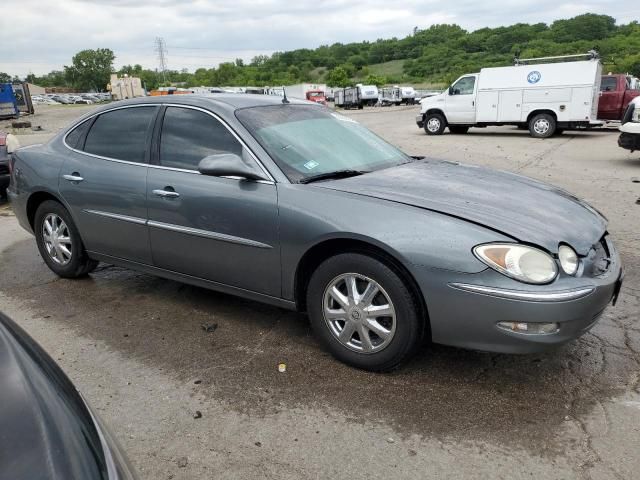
{"x": 47, "y": 430}
{"x": 292, "y": 204}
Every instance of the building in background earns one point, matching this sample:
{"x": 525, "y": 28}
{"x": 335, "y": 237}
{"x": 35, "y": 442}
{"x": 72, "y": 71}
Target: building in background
{"x": 125, "y": 87}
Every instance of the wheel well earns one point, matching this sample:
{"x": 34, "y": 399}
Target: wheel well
{"x": 35, "y": 200}
{"x": 536, "y": 112}
{"x": 329, "y": 248}
{"x": 435, "y": 110}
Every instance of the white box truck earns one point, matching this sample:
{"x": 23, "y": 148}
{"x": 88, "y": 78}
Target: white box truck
{"x": 546, "y": 98}
{"x": 314, "y": 92}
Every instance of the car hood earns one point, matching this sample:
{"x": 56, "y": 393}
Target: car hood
{"x": 520, "y": 207}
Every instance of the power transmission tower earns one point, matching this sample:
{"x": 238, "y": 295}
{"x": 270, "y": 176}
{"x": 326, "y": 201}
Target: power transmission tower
{"x": 161, "y": 50}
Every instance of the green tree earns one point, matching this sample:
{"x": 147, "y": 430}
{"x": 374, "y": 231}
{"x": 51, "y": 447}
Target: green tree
{"x": 5, "y": 77}
{"x": 338, "y": 78}
{"x": 90, "y": 69}
{"x": 377, "y": 80}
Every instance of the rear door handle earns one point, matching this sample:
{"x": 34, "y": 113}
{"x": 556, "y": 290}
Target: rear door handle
{"x": 74, "y": 177}
{"x": 166, "y": 193}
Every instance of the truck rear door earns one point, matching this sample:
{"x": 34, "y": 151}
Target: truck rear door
{"x": 611, "y": 96}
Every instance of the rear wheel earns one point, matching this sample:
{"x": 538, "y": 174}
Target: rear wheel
{"x": 363, "y": 312}
{"x": 542, "y": 125}
{"x": 458, "y": 130}
{"x": 59, "y": 242}
{"x": 434, "y": 124}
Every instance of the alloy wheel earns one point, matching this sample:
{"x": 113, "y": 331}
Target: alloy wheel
{"x": 541, "y": 126}
{"x": 57, "y": 239}
{"x": 359, "y": 313}
{"x": 433, "y": 125}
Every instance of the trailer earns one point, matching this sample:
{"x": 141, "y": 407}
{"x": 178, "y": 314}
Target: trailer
{"x": 368, "y": 94}
{"x": 544, "y": 97}
{"x": 15, "y": 99}
{"x": 390, "y": 96}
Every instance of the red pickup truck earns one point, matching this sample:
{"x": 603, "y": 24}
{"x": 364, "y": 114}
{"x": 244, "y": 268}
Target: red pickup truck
{"x": 616, "y": 91}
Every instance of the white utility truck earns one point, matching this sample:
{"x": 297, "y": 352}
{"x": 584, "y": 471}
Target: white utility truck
{"x": 544, "y": 97}
{"x": 313, "y": 92}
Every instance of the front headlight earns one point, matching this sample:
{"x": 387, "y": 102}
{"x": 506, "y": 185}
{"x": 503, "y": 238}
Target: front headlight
{"x": 635, "y": 117}
{"x": 568, "y": 259}
{"x": 520, "y": 262}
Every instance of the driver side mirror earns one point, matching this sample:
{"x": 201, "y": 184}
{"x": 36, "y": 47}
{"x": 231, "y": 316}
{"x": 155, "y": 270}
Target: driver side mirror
{"x": 228, "y": 165}
{"x": 451, "y": 90}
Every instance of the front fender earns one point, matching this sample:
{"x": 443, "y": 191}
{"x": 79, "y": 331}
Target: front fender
{"x": 310, "y": 215}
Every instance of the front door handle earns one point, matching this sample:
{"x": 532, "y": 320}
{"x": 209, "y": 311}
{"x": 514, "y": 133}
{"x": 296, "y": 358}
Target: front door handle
{"x": 74, "y": 177}
{"x": 166, "y": 193}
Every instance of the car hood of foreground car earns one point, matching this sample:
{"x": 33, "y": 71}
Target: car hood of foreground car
{"x": 520, "y": 207}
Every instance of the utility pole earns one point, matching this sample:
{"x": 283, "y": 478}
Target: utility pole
{"x": 161, "y": 51}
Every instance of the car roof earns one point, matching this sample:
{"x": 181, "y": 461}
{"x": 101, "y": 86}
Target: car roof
{"x": 233, "y": 100}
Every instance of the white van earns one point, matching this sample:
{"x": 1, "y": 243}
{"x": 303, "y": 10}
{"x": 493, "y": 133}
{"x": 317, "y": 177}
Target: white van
{"x": 543, "y": 97}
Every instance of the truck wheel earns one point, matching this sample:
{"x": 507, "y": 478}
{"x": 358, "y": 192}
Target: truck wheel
{"x": 458, "y": 130}
{"x": 542, "y": 125}
{"x": 434, "y": 124}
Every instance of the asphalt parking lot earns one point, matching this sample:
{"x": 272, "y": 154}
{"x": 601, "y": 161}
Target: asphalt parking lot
{"x": 149, "y": 354}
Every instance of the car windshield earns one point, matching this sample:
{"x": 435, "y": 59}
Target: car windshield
{"x": 316, "y": 94}
{"x": 307, "y": 141}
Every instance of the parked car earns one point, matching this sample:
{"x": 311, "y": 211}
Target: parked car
{"x": 8, "y": 144}
{"x": 62, "y": 99}
{"x": 295, "y": 205}
{"x": 616, "y": 91}
{"x": 48, "y": 429}
{"x": 629, "y": 138}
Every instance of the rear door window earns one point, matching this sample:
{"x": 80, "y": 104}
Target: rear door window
{"x": 122, "y": 134}
{"x": 190, "y": 135}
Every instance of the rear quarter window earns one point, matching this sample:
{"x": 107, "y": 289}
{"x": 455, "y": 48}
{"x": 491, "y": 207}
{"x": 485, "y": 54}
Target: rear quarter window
{"x": 75, "y": 138}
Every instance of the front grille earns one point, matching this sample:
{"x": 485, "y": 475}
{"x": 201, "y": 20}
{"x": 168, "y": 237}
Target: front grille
{"x": 4, "y": 169}
{"x": 599, "y": 259}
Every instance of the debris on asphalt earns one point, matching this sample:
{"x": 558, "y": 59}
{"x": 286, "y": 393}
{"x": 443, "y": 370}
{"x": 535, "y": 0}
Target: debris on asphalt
{"x": 182, "y": 462}
{"x": 635, "y": 179}
{"x": 390, "y": 440}
{"x": 412, "y": 453}
{"x": 258, "y": 444}
{"x": 282, "y": 367}
{"x": 638, "y": 201}
{"x": 197, "y": 382}
{"x": 198, "y": 414}
{"x": 209, "y": 327}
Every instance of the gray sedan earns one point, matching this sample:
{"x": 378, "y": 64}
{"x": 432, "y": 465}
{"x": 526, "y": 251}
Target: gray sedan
{"x": 292, "y": 204}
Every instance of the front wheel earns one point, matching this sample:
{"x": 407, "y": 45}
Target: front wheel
{"x": 542, "y": 125}
{"x": 59, "y": 242}
{"x": 363, "y": 312}
{"x": 434, "y": 124}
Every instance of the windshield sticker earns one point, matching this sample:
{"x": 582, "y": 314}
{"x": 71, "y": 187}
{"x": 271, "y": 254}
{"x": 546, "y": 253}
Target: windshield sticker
{"x": 342, "y": 118}
{"x": 311, "y": 164}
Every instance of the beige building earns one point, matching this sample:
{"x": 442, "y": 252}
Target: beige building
{"x": 125, "y": 87}
{"x": 35, "y": 89}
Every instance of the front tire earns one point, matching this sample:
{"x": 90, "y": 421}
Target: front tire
{"x": 542, "y": 125}
{"x": 434, "y": 124}
{"x": 59, "y": 242}
{"x": 363, "y": 312}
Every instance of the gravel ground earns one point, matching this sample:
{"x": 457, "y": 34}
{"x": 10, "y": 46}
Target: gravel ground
{"x": 135, "y": 346}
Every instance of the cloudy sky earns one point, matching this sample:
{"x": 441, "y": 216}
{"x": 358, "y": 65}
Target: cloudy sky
{"x": 41, "y": 35}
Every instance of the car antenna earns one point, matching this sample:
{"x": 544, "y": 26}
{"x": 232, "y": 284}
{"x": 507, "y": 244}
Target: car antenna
{"x": 285, "y": 100}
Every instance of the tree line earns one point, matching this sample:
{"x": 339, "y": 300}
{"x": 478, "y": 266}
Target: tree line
{"x": 437, "y": 54}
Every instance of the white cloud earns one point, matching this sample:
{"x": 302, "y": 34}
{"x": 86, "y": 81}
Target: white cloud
{"x": 44, "y": 35}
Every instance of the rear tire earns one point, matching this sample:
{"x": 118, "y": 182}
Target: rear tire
{"x": 59, "y": 242}
{"x": 457, "y": 130}
{"x": 434, "y": 124}
{"x": 542, "y": 125}
{"x": 345, "y": 322}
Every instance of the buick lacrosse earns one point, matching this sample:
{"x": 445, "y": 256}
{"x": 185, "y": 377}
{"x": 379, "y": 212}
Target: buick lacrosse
{"x": 292, "y": 204}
